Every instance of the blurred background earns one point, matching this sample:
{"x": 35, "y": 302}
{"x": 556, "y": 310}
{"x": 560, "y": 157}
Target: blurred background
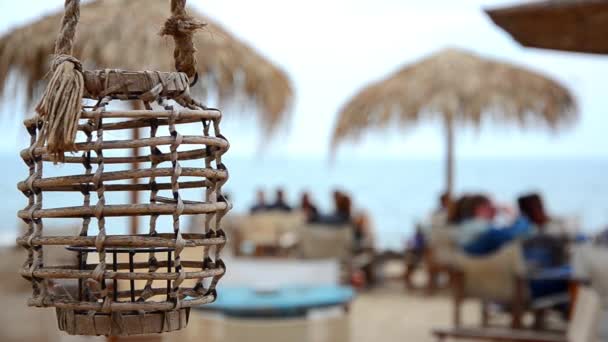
{"x": 376, "y": 115}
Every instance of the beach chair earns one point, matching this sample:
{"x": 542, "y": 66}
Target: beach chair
{"x": 439, "y": 255}
{"x": 589, "y": 267}
{"x": 320, "y": 241}
{"x": 497, "y": 278}
{"x": 503, "y": 278}
{"x": 265, "y": 231}
{"x": 582, "y": 327}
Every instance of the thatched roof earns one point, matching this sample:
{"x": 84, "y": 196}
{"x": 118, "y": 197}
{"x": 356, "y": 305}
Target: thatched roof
{"x": 459, "y": 85}
{"x": 125, "y": 35}
{"x": 569, "y": 25}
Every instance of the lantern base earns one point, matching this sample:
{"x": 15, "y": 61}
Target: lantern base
{"x": 121, "y": 323}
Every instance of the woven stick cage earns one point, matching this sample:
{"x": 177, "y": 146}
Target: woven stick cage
{"x": 125, "y": 284}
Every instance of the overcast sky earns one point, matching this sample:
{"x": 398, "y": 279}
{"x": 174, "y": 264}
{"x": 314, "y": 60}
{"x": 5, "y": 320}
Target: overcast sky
{"x": 331, "y": 49}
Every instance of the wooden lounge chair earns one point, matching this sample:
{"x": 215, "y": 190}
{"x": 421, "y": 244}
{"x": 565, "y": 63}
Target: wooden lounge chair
{"x": 589, "y": 267}
{"x": 436, "y": 258}
{"x": 496, "y": 278}
{"x": 264, "y": 231}
{"x": 500, "y": 278}
{"x": 582, "y": 328}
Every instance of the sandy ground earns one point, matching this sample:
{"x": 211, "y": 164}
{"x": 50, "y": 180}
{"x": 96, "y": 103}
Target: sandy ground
{"x": 388, "y": 313}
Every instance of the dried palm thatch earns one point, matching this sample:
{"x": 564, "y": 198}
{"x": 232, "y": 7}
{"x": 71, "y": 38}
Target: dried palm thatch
{"x": 568, "y": 25}
{"x": 456, "y": 87}
{"x": 125, "y": 34}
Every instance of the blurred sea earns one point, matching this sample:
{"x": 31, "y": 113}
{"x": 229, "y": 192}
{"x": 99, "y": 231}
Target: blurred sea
{"x": 396, "y": 193}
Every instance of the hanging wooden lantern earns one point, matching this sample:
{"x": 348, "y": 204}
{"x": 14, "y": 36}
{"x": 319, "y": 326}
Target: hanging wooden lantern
{"x": 125, "y": 284}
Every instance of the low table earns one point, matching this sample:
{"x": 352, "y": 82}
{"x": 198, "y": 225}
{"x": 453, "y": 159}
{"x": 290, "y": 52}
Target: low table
{"x": 290, "y": 313}
{"x": 289, "y": 301}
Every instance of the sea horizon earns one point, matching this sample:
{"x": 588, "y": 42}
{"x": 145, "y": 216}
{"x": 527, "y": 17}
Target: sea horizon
{"x": 396, "y": 193}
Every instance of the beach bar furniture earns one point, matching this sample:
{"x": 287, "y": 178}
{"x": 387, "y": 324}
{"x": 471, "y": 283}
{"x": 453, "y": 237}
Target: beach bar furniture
{"x": 124, "y": 284}
{"x": 505, "y": 278}
{"x": 287, "y": 313}
{"x": 276, "y": 300}
{"x": 582, "y": 328}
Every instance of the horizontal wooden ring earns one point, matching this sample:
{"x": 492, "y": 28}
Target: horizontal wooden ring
{"x": 126, "y": 241}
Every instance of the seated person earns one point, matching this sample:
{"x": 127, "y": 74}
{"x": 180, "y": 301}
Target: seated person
{"x": 308, "y": 208}
{"x": 539, "y": 253}
{"x": 439, "y": 217}
{"x": 363, "y": 234}
{"x": 460, "y": 210}
{"x": 363, "y": 248}
{"x": 531, "y": 207}
{"x": 260, "y": 204}
{"x": 342, "y": 213}
{"x": 546, "y": 255}
{"x": 546, "y": 250}
{"x": 280, "y": 204}
{"x": 479, "y": 235}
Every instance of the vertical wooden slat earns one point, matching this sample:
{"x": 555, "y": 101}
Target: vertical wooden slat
{"x": 134, "y": 195}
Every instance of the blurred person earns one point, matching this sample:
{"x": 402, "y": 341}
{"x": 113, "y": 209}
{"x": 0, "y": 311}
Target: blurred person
{"x": 362, "y": 232}
{"x": 439, "y": 217}
{"x": 344, "y": 207}
{"x": 431, "y": 244}
{"x": 531, "y": 207}
{"x": 460, "y": 210}
{"x": 342, "y": 210}
{"x": 310, "y": 210}
{"x": 548, "y": 246}
{"x": 547, "y": 249}
{"x": 363, "y": 249}
{"x": 479, "y": 235}
{"x": 260, "y": 202}
{"x": 280, "y": 204}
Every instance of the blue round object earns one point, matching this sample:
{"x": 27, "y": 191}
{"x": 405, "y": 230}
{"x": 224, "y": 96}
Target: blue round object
{"x": 284, "y": 302}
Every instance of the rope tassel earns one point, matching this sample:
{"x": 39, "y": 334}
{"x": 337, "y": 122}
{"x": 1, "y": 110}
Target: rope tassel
{"x": 61, "y": 102}
{"x": 61, "y": 105}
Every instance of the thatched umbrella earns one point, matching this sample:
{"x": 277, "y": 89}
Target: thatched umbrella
{"x": 125, "y": 34}
{"x": 456, "y": 87}
{"x": 568, "y": 25}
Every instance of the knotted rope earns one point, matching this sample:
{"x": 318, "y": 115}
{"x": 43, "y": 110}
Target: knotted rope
{"x": 182, "y": 27}
{"x": 61, "y": 102}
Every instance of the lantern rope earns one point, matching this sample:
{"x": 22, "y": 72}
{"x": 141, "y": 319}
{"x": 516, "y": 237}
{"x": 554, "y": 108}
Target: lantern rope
{"x": 61, "y": 103}
{"x": 99, "y": 271}
{"x": 182, "y": 27}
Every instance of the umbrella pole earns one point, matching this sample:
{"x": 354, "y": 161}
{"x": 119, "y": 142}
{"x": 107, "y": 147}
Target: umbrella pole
{"x": 449, "y": 165}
